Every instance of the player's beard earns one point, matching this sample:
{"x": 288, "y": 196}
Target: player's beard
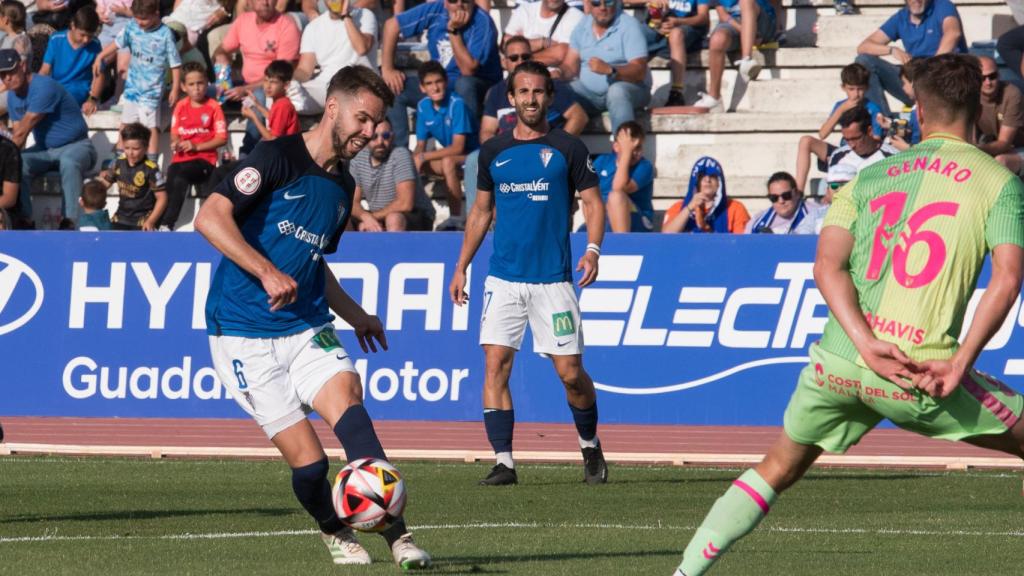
{"x": 534, "y": 120}
{"x": 343, "y": 149}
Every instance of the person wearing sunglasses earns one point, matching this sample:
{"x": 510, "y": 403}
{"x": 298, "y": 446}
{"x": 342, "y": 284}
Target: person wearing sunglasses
{"x": 548, "y": 25}
{"x": 1002, "y": 117}
{"x": 788, "y": 213}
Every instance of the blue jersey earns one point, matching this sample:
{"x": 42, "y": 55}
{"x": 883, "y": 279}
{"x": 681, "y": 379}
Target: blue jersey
{"x": 443, "y": 123}
{"x": 534, "y": 183}
{"x": 153, "y": 53}
{"x": 293, "y": 212}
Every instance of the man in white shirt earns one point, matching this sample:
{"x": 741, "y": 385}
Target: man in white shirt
{"x": 548, "y": 25}
{"x": 789, "y": 212}
{"x": 335, "y": 39}
{"x": 860, "y": 149}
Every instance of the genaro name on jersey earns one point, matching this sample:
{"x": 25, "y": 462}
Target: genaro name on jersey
{"x": 534, "y": 182}
{"x": 293, "y": 212}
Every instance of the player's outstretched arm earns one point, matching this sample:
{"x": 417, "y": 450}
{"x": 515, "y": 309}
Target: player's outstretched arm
{"x": 217, "y": 224}
{"x": 367, "y": 327}
{"x": 832, "y": 275}
{"x": 593, "y": 215}
{"x": 941, "y": 377}
{"x": 477, "y": 224}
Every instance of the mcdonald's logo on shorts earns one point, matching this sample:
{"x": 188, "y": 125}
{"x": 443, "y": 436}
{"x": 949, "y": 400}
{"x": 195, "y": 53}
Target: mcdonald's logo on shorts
{"x": 563, "y": 323}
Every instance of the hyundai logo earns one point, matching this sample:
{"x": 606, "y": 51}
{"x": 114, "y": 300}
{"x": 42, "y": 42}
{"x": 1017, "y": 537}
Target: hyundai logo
{"x": 15, "y": 309}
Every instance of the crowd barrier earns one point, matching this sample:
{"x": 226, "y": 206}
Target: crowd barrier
{"x": 678, "y": 329}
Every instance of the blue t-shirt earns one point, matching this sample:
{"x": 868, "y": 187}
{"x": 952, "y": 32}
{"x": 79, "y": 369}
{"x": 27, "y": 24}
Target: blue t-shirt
{"x": 70, "y": 67}
{"x": 922, "y": 40}
{"x": 63, "y": 122}
{"x": 293, "y": 212}
{"x": 733, "y": 7}
{"x": 534, "y": 183}
{"x": 443, "y": 123}
{"x": 496, "y": 105}
{"x": 622, "y": 42}
{"x": 480, "y": 37}
{"x": 642, "y": 201}
{"x": 873, "y": 109}
{"x": 153, "y": 53}
{"x": 685, "y": 8}
{"x": 915, "y": 126}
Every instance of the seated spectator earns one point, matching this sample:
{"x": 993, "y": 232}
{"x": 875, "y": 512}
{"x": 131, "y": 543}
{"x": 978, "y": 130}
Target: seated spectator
{"x": 70, "y": 55}
{"x": 500, "y": 115}
{"x": 93, "y": 202}
{"x": 862, "y": 149}
{"x": 12, "y": 24}
{"x": 608, "y": 57}
{"x": 461, "y": 37}
{"x": 681, "y": 31}
{"x": 926, "y": 28}
{"x": 198, "y": 129}
{"x": 742, "y": 24}
{"x": 386, "y": 179}
{"x": 444, "y": 117}
{"x": 789, "y": 213}
{"x": 153, "y": 52}
{"x": 57, "y": 14}
{"x": 198, "y": 17}
{"x": 333, "y": 40}
{"x": 706, "y": 208}
{"x": 855, "y": 80}
{"x": 1001, "y": 119}
{"x": 41, "y": 106}
{"x": 627, "y": 181}
{"x": 140, "y": 186}
{"x": 10, "y": 175}
{"x": 547, "y": 25}
{"x": 904, "y": 131}
{"x": 281, "y": 119}
{"x": 1010, "y": 47}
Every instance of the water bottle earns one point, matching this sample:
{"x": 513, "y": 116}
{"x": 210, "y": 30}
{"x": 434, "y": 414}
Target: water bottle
{"x": 222, "y": 80}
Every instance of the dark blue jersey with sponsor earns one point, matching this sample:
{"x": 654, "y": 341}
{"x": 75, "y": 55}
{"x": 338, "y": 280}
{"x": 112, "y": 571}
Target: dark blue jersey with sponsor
{"x": 534, "y": 182}
{"x": 291, "y": 211}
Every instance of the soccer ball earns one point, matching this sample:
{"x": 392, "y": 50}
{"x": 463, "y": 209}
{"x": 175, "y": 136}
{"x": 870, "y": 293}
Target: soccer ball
{"x": 369, "y": 494}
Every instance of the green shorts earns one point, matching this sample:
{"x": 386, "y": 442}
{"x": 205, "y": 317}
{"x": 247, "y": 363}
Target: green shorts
{"x": 837, "y": 402}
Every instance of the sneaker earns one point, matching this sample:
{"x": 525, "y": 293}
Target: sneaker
{"x": 408, "y": 555}
{"x": 595, "y": 469}
{"x": 344, "y": 547}
{"x": 675, "y": 98}
{"x": 500, "y": 475}
{"x": 749, "y": 69}
{"x": 708, "y": 101}
{"x": 843, "y": 8}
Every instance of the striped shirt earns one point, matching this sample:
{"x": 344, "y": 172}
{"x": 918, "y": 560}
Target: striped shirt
{"x": 378, "y": 183}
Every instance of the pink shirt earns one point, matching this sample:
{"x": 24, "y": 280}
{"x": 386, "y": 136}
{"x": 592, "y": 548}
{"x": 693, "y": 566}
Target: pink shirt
{"x": 261, "y": 44}
{"x": 103, "y": 6}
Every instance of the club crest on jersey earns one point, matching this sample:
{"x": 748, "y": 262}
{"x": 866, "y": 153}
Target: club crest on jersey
{"x": 139, "y": 179}
{"x": 247, "y": 181}
{"x": 545, "y": 156}
{"x": 204, "y": 119}
{"x": 590, "y": 165}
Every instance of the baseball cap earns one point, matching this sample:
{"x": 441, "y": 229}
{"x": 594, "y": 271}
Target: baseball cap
{"x": 9, "y": 59}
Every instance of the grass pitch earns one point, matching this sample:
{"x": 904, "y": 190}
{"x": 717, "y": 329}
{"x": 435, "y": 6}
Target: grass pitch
{"x": 119, "y": 516}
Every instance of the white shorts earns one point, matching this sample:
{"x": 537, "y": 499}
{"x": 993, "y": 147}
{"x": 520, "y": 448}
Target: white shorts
{"x": 135, "y": 112}
{"x": 551, "y": 309}
{"x": 276, "y": 379}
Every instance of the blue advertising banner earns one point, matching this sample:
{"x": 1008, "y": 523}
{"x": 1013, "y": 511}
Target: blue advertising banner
{"x": 679, "y": 329}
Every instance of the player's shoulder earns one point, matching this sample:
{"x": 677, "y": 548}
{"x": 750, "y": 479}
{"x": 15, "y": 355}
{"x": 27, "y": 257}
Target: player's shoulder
{"x": 498, "y": 143}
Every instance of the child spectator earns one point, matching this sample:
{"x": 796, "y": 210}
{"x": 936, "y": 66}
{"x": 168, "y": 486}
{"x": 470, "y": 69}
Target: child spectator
{"x": 198, "y": 128}
{"x": 140, "y": 185}
{"x": 153, "y": 51}
{"x": 94, "y": 216}
{"x": 444, "y": 117}
{"x": 114, "y": 15}
{"x": 281, "y": 119}
{"x": 69, "y": 58}
{"x": 627, "y": 181}
{"x": 905, "y": 132}
{"x": 682, "y": 28}
{"x": 706, "y": 207}
{"x": 12, "y": 24}
{"x": 854, "y": 78}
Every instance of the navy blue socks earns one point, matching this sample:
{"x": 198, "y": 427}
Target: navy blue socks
{"x": 355, "y": 431}
{"x": 314, "y": 492}
{"x": 586, "y": 425}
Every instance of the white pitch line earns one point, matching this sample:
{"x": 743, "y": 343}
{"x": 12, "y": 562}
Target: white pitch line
{"x": 519, "y": 526}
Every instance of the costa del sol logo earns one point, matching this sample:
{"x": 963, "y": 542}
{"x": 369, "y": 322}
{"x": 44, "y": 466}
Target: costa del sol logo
{"x": 21, "y": 293}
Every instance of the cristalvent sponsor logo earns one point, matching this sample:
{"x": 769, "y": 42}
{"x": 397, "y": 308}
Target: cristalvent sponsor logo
{"x": 288, "y": 228}
{"x": 538, "y": 185}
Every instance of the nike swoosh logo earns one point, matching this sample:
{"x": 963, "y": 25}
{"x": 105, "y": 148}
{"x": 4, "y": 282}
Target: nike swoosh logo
{"x": 287, "y": 197}
{"x": 502, "y": 163}
{"x": 339, "y": 357}
{"x": 560, "y": 344}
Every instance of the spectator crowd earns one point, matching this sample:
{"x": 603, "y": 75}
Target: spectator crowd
{"x": 177, "y": 72}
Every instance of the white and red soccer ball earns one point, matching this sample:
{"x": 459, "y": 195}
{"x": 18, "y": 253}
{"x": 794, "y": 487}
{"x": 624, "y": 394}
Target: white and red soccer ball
{"x": 369, "y": 494}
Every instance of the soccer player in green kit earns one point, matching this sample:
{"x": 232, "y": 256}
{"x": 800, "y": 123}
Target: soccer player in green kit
{"x": 898, "y": 260}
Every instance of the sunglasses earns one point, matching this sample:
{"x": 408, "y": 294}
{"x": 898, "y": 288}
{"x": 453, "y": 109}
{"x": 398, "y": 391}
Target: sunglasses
{"x": 517, "y": 57}
{"x": 382, "y": 136}
{"x": 600, "y": 3}
{"x": 785, "y": 196}
{"x": 993, "y": 76}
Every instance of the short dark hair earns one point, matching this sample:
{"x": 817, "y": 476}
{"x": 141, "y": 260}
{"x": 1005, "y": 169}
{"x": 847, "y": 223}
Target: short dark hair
{"x": 86, "y": 19}
{"x": 431, "y": 67}
{"x": 949, "y": 86}
{"x": 351, "y": 79}
{"x": 782, "y": 177}
{"x": 190, "y": 67}
{"x": 531, "y": 67}
{"x": 858, "y": 115}
{"x": 280, "y": 70}
{"x": 144, "y": 7}
{"x": 911, "y": 69}
{"x": 134, "y": 131}
{"x": 633, "y": 128}
{"x": 517, "y": 39}
{"x": 855, "y": 75}
{"x": 94, "y": 195}
{"x": 14, "y": 11}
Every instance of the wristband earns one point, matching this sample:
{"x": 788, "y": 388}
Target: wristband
{"x": 594, "y": 248}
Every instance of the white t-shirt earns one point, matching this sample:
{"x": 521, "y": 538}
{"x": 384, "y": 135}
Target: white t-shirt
{"x": 526, "y": 21}
{"x": 328, "y": 40}
{"x": 194, "y": 13}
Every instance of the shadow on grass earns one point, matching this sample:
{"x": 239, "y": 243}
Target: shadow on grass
{"x": 492, "y": 564}
{"x": 143, "y": 515}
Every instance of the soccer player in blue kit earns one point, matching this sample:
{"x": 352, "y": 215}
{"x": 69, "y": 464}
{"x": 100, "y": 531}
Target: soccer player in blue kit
{"x": 530, "y": 176}
{"x": 271, "y": 336}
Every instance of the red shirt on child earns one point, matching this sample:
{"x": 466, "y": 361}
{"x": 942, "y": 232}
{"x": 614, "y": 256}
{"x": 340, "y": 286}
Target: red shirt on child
{"x": 198, "y": 124}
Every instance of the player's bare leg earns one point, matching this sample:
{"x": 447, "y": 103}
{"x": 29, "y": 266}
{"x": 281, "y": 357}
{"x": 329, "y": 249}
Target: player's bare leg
{"x": 582, "y": 398}
{"x": 746, "y": 502}
{"x": 499, "y": 415}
